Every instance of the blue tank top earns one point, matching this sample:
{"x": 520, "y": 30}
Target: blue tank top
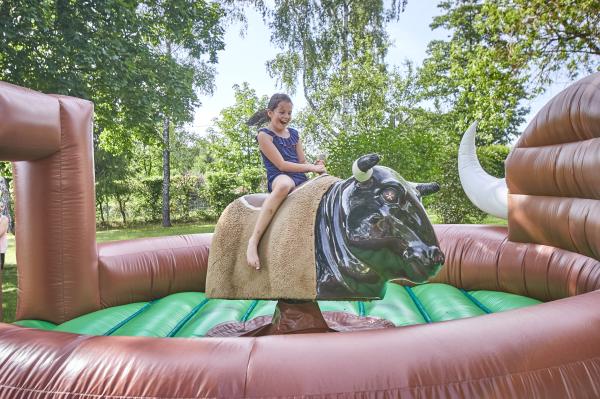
{"x": 287, "y": 149}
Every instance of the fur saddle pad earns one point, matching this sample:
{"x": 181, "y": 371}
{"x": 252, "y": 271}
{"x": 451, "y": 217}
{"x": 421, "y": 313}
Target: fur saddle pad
{"x": 286, "y": 251}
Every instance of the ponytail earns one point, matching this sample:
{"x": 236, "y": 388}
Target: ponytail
{"x": 262, "y": 116}
{"x": 259, "y": 118}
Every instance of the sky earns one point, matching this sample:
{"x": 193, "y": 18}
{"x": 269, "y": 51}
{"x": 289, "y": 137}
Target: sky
{"x": 244, "y": 60}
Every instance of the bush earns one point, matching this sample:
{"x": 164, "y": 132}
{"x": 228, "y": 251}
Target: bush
{"x": 412, "y": 154}
{"x": 253, "y": 179}
{"x": 185, "y": 196}
{"x": 149, "y": 198}
{"x": 220, "y": 188}
{"x": 451, "y": 203}
{"x": 492, "y": 158}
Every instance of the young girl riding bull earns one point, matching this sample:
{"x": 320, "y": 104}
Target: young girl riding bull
{"x": 283, "y": 156}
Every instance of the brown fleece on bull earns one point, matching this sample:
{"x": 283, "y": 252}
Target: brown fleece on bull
{"x": 287, "y": 249}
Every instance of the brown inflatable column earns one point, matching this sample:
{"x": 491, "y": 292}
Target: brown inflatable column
{"x": 55, "y": 229}
{"x": 552, "y": 173}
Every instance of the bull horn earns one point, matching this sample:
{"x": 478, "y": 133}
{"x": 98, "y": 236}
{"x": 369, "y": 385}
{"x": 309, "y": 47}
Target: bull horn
{"x": 426, "y": 188}
{"x": 486, "y": 192}
{"x": 362, "y": 168}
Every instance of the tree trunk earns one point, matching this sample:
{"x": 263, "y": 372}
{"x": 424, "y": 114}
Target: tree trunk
{"x": 121, "y": 202}
{"x": 101, "y": 212}
{"x": 345, "y": 52}
{"x": 166, "y": 185}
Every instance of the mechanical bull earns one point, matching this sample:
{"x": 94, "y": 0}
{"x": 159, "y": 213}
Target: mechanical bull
{"x": 330, "y": 239}
{"x": 372, "y": 228}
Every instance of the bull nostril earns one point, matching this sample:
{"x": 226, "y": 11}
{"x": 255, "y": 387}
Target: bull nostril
{"x": 436, "y": 255}
{"x": 409, "y": 252}
{"x": 381, "y": 225}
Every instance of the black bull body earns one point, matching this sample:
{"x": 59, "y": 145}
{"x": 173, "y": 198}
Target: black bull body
{"x": 373, "y": 231}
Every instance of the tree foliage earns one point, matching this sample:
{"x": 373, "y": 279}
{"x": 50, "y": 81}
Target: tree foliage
{"x": 109, "y": 52}
{"x": 113, "y": 176}
{"x": 323, "y": 43}
{"x": 556, "y": 35}
{"x": 503, "y": 52}
{"x": 235, "y": 166}
{"x": 499, "y": 55}
{"x": 472, "y": 80}
{"x": 141, "y": 62}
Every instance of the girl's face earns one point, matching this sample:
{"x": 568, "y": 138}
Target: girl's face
{"x": 281, "y": 116}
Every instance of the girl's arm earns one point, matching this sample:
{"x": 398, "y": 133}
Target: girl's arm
{"x": 265, "y": 142}
{"x": 302, "y": 158}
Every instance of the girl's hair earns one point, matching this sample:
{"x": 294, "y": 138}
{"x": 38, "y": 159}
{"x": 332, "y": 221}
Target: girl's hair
{"x": 260, "y": 117}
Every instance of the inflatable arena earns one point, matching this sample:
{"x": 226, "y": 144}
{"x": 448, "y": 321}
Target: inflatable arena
{"x": 513, "y": 312}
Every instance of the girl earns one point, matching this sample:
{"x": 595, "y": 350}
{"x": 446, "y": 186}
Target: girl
{"x": 283, "y": 156}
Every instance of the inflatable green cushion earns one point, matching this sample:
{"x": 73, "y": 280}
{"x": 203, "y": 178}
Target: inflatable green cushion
{"x": 191, "y": 314}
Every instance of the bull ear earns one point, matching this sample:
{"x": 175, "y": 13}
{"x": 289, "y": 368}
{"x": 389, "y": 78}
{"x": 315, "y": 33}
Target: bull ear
{"x": 362, "y": 169}
{"x": 427, "y": 188}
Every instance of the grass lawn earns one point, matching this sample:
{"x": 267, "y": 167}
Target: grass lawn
{"x": 152, "y": 231}
{"x": 435, "y": 219}
{"x": 9, "y": 277}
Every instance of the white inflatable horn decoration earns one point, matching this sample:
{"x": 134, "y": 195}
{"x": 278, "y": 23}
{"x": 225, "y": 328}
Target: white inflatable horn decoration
{"x": 486, "y": 192}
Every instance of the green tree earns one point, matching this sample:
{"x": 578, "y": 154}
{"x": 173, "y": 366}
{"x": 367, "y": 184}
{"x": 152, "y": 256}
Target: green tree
{"x": 93, "y": 51}
{"x": 503, "y": 52}
{"x": 549, "y": 36}
{"x": 233, "y": 145}
{"x": 236, "y": 166}
{"x": 464, "y": 79}
{"x": 114, "y": 174}
{"x": 469, "y": 79}
{"x": 185, "y": 33}
{"x": 499, "y": 54}
{"x": 320, "y": 41}
{"x": 358, "y": 99}
{"x": 141, "y": 62}
{"x": 188, "y": 152}
{"x": 389, "y": 122}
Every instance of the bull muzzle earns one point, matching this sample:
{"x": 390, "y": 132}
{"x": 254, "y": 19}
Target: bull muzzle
{"x": 430, "y": 255}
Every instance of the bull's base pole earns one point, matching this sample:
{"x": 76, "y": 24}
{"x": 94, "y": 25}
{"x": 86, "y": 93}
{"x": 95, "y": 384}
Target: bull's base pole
{"x": 293, "y": 317}
{"x": 297, "y": 317}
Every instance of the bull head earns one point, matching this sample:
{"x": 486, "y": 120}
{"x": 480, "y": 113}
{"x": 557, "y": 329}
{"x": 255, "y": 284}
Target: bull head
{"x": 372, "y": 228}
{"x": 362, "y": 170}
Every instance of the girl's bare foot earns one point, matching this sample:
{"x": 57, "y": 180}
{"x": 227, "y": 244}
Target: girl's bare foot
{"x": 252, "y": 255}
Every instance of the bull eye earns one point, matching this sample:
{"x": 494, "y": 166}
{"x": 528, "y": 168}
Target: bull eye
{"x": 390, "y": 195}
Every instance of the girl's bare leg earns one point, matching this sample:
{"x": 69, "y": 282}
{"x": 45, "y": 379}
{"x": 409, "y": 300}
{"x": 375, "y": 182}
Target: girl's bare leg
{"x": 281, "y": 187}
